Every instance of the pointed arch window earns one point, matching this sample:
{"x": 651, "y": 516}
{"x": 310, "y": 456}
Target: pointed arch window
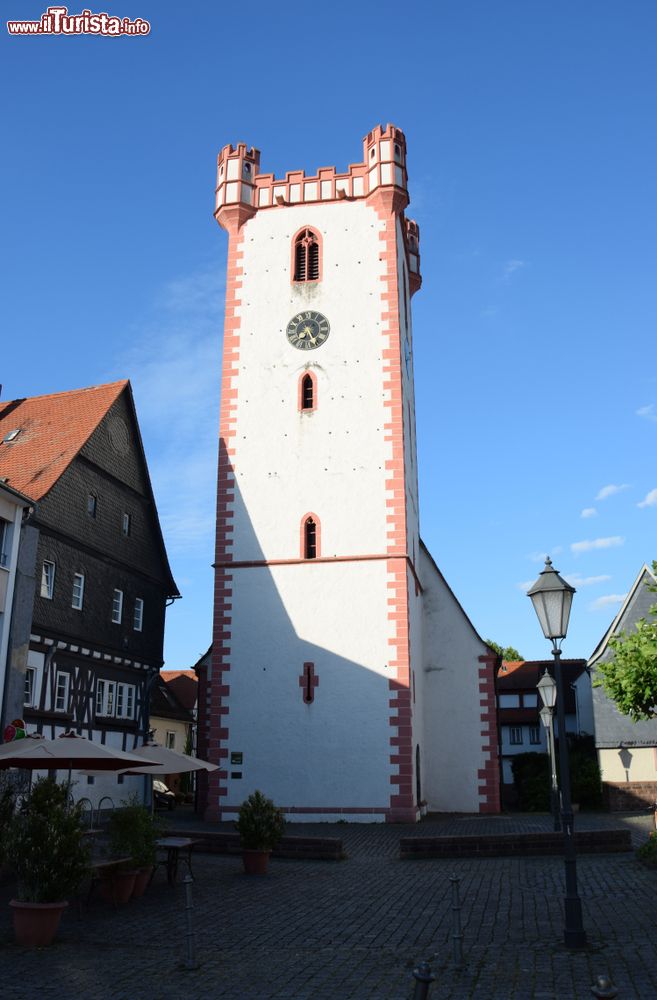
{"x": 310, "y": 537}
{"x": 307, "y": 257}
{"x": 307, "y": 392}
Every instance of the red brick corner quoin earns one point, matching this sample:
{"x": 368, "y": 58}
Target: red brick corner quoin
{"x": 489, "y": 774}
{"x": 388, "y": 203}
{"x": 232, "y": 219}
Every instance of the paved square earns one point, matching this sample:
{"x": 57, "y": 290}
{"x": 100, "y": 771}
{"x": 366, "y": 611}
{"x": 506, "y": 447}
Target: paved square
{"x": 355, "y": 929}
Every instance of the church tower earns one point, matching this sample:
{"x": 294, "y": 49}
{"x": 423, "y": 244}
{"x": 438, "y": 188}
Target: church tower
{"x": 315, "y": 689}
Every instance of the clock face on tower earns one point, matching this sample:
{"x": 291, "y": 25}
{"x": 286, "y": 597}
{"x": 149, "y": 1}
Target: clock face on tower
{"x": 307, "y": 330}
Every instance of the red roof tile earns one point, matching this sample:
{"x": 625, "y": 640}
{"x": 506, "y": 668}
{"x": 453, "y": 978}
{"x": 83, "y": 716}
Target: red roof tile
{"x": 53, "y": 429}
{"x": 184, "y": 684}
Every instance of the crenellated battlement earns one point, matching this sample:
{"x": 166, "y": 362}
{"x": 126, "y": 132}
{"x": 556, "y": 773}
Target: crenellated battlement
{"x": 239, "y": 182}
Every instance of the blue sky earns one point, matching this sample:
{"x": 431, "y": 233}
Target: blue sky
{"x": 532, "y": 149}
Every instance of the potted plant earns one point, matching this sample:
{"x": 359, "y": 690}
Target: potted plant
{"x": 132, "y": 838}
{"x": 47, "y": 853}
{"x": 260, "y": 825}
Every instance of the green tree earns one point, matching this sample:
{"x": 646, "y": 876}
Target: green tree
{"x": 630, "y": 678}
{"x": 506, "y": 652}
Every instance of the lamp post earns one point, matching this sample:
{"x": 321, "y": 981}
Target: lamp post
{"x": 548, "y": 692}
{"x": 552, "y": 598}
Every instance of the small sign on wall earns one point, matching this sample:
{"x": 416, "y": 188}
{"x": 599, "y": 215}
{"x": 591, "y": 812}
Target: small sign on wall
{"x": 236, "y": 758}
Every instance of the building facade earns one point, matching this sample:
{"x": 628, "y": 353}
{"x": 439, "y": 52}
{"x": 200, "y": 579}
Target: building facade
{"x": 519, "y": 704}
{"x": 627, "y": 750}
{"x": 101, "y": 578}
{"x": 345, "y": 679}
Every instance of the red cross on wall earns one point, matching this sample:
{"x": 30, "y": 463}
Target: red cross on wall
{"x": 308, "y": 682}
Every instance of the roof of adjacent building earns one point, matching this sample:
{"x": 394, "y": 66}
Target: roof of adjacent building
{"x": 521, "y": 675}
{"x": 637, "y": 604}
{"x": 51, "y": 431}
{"x": 41, "y": 435}
{"x": 165, "y": 704}
{"x": 184, "y": 684}
{"x": 612, "y": 728}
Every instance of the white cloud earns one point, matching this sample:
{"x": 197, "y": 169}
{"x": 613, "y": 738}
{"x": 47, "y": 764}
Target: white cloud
{"x": 597, "y": 543}
{"x": 511, "y": 267}
{"x": 524, "y": 585}
{"x": 647, "y": 412}
{"x": 604, "y": 602}
{"x": 609, "y": 491}
{"x": 650, "y": 500}
{"x": 174, "y": 364}
{"x": 575, "y": 580}
{"x": 589, "y": 512}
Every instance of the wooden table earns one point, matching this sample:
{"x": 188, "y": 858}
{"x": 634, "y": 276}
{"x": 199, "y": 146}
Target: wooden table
{"x": 174, "y": 846}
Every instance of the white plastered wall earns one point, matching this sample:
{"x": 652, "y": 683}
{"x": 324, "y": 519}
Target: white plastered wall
{"x": 640, "y": 764}
{"x": 334, "y": 751}
{"x": 453, "y": 747}
{"x": 330, "y": 461}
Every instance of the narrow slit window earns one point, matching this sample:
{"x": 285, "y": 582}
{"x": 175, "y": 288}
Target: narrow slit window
{"x": 310, "y": 539}
{"x": 306, "y": 256}
{"x": 307, "y": 393}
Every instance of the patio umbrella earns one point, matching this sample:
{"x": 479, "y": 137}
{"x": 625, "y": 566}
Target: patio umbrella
{"x": 68, "y": 751}
{"x": 167, "y": 761}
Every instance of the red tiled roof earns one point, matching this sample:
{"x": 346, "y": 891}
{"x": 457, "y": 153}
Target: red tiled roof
{"x": 525, "y": 674}
{"x": 53, "y": 429}
{"x": 184, "y": 684}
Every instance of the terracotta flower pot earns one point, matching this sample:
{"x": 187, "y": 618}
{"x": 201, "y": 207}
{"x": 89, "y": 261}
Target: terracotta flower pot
{"x": 124, "y": 885}
{"x": 255, "y": 862}
{"x": 141, "y": 881}
{"x": 36, "y": 924}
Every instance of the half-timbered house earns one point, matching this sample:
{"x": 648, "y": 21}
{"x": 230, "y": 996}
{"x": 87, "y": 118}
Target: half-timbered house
{"x": 101, "y": 575}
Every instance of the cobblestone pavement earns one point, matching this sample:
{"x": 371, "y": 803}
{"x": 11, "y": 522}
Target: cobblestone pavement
{"x": 356, "y": 928}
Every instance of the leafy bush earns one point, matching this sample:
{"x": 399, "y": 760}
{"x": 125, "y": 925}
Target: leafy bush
{"x": 7, "y": 807}
{"x": 45, "y": 846}
{"x": 648, "y": 851}
{"x": 133, "y": 833}
{"x": 531, "y": 776}
{"x": 260, "y": 824}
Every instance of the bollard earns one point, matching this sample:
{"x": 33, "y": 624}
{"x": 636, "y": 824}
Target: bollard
{"x": 423, "y": 980}
{"x": 457, "y": 934}
{"x": 190, "y": 959}
{"x": 603, "y": 988}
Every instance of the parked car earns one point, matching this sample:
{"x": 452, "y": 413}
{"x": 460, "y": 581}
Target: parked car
{"x": 163, "y": 797}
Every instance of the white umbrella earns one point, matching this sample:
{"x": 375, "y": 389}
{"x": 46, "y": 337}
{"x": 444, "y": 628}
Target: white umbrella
{"x": 168, "y": 761}
{"x": 68, "y": 751}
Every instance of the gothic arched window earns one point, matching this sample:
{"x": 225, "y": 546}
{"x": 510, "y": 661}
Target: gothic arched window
{"x": 307, "y": 392}
{"x": 310, "y": 530}
{"x": 307, "y": 256}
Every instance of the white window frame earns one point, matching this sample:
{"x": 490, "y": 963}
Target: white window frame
{"x": 117, "y": 606}
{"x": 515, "y": 730}
{"x": 48, "y": 579}
{"x": 62, "y": 684}
{"x": 105, "y": 697}
{"x": 535, "y": 735}
{"x": 30, "y": 685}
{"x": 77, "y": 599}
{"x": 127, "y": 524}
{"x": 125, "y": 701}
{"x": 5, "y": 542}
{"x": 170, "y": 740}
{"x": 138, "y": 614}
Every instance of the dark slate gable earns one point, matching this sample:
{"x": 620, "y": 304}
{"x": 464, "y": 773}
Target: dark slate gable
{"x": 611, "y": 727}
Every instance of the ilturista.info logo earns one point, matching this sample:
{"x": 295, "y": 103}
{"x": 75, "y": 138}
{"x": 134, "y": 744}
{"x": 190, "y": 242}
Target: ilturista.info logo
{"x": 58, "y": 21}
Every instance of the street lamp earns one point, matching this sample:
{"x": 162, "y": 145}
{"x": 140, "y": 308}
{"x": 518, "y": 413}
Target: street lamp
{"x": 552, "y": 598}
{"x": 547, "y": 689}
